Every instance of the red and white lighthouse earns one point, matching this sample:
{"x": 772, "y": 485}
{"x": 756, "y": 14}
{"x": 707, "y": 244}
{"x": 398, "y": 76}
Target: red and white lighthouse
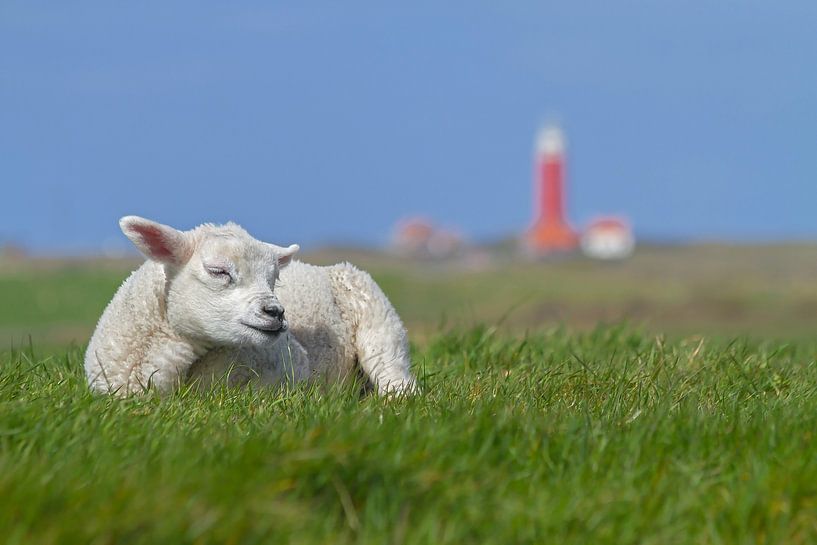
{"x": 550, "y": 231}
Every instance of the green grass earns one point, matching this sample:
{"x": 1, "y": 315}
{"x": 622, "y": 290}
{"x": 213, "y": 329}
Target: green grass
{"x": 54, "y": 306}
{"x": 609, "y": 436}
{"x": 695, "y": 424}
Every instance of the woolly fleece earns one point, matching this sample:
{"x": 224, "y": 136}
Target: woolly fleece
{"x": 178, "y": 318}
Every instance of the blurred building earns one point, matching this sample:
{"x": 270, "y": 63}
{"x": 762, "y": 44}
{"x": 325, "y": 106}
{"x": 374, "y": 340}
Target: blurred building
{"x": 550, "y": 231}
{"x": 12, "y": 251}
{"x": 608, "y": 238}
{"x": 419, "y": 237}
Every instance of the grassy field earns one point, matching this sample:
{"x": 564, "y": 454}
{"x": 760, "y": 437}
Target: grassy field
{"x": 723, "y": 291}
{"x": 692, "y": 423}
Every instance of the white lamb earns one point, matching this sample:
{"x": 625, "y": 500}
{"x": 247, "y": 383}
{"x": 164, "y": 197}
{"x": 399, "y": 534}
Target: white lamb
{"x": 202, "y": 308}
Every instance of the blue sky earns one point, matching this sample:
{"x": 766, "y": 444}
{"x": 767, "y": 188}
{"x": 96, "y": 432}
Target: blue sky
{"x": 325, "y": 122}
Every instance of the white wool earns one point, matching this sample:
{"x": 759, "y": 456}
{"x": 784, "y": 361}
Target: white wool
{"x": 206, "y": 306}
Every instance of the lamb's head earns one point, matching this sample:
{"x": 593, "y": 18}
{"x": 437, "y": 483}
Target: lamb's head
{"x": 219, "y": 280}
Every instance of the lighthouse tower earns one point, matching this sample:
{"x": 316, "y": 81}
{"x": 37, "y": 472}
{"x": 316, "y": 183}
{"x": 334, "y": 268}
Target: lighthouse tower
{"x": 550, "y": 231}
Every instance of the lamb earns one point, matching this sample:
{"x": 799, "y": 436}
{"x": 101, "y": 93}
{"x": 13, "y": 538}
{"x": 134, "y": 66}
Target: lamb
{"x": 213, "y": 303}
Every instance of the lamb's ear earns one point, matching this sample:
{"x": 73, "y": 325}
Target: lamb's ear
{"x": 158, "y": 242}
{"x": 285, "y": 254}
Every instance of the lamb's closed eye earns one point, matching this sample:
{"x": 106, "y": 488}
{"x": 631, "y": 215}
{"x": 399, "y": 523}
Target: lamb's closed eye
{"x": 219, "y": 272}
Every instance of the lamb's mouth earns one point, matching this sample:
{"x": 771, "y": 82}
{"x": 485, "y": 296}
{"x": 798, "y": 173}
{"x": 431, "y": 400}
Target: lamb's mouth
{"x": 268, "y": 329}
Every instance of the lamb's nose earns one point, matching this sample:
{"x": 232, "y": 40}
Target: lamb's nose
{"x": 273, "y": 310}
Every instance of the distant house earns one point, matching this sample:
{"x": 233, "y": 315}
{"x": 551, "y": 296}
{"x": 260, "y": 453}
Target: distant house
{"x": 608, "y": 238}
{"x": 11, "y": 251}
{"x": 419, "y": 237}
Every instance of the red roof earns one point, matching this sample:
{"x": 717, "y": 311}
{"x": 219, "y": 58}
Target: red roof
{"x": 609, "y": 224}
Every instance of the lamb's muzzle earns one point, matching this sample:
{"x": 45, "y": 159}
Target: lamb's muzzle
{"x": 274, "y": 311}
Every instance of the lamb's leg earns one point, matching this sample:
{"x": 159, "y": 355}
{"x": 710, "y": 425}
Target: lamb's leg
{"x": 165, "y": 366}
{"x": 117, "y": 369}
{"x": 380, "y": 340}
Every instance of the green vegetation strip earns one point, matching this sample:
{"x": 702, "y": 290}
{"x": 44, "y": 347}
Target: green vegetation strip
{"x": 605, "y": 437}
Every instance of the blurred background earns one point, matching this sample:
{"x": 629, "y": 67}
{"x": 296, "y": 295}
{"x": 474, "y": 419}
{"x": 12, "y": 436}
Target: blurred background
{"x": 526, "y": 165}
